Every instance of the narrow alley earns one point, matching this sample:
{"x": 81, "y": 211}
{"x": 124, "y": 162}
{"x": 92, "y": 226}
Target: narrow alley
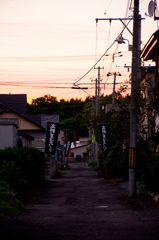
{"x": 81, "y": 205}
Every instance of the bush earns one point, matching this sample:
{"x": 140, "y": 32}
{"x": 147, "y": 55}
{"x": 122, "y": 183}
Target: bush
{"x": 9, "y": 205}
{"x": 33, "y": 164}
{"x": 11, "y": 167}
{"x": 151, "y": 176}
{"x": 18, "y": 168}
{"x": 147, "y": 166}
{"x": 115, "y": 164}
{"x": 21, "y": 166}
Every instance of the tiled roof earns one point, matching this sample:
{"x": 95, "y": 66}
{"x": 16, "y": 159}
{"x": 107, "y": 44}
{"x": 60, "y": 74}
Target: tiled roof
{"x": 17, "y": 102}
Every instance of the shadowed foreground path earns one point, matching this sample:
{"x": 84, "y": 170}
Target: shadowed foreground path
{"x": 80, "y": 205}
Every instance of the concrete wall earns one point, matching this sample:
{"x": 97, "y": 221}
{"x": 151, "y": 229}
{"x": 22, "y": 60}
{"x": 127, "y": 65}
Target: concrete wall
{"x": 50, "y": 167}
{"x": 8, "y": 134}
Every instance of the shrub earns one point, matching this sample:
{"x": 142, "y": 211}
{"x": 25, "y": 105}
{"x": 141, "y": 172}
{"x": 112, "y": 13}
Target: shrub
{"x": 115, "y": 164}
{"x": 9, "y": 205}
{"x": 18, "y": 168}
{"x": 21, "y": 166}
{"x": 11, "y": 169}
{"x": 33, "y": 164}
{"x": 151, "y": 176}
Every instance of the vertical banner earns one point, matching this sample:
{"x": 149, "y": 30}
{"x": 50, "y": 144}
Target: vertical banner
{"x": 51, "y": 137}
{"x": 103, "y": 134}
{"x": 67, "y": 149}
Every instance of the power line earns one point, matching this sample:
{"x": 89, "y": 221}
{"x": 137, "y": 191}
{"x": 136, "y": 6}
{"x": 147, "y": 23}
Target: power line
{"x": 125, "y": 26}
{"x": 48, "y": 58}
{"x": 94, "y": 64}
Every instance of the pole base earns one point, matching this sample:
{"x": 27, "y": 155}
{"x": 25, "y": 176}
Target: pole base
{"x": 132, "y": 182}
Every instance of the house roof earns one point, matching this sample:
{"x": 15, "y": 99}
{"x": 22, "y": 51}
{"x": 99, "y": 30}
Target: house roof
{"x": 79, "y": 145}
{"x": 42, "y": 119}
{"x": 35, "y": 118}
{"x": 11, "y": 110}
{"x": 17, "y": 102}
{"x": 151, "y": 48}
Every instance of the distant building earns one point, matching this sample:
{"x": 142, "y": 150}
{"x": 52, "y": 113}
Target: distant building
{"x": 79, "y": 150}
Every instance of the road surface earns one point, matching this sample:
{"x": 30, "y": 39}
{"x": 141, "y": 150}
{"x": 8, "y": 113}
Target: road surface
{"x": 81, "y": 205}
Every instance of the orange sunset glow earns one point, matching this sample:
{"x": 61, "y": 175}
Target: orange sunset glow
{"x": 48, "y": 45}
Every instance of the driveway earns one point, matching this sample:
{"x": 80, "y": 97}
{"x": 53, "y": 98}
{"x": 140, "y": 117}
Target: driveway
{"x": 81, "y": 205}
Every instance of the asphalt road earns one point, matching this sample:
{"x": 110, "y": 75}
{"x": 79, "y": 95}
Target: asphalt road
{"x": 81, "y": 205}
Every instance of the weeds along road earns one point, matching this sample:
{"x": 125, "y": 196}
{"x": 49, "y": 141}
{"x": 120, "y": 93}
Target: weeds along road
{"x": 81, "y": 205}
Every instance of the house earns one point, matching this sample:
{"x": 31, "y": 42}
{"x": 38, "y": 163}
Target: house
{"x": 8, "y": 133}
{"x": 79, "y": 150}
{"x": 33, "y": 127}
{"x": 17, "y": 102}
{"x": 150, "y": 79}
{"x": 151, "y": 49}
{"x": 42, "y": 119}
{"x": 27, "y": 130}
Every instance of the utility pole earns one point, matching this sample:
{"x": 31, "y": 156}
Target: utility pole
{"x": 113, "y": 95}
{"x": 97, "y": 91}
{"x": 97, "y": 101}
{"x": 96, "y": 94}
{"x": 134, "y": 92}
{"x": 114, "y": 83}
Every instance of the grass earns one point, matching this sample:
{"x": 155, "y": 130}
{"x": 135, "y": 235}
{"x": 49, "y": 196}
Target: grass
{"x": 9, "y": 204}
{"x": 11, "y": 208}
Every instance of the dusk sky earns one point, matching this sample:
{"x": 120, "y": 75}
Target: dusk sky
{"x": 52, "y": 43}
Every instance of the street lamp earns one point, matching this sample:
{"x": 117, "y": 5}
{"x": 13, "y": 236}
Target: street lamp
{"x": 121, "y": 40}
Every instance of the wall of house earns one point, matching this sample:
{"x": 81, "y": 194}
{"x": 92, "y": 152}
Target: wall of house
{"x": 79, "y": 151}
{"x": 24, "y": 123}
{"x": 8, "y": 134}
{"x": 27, "y": 142}
{"x": 39, "y": 144}
{"x": 37, "y": 134}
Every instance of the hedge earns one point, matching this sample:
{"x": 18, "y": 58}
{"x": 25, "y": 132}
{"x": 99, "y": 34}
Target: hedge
{"x": 23, "y": 166}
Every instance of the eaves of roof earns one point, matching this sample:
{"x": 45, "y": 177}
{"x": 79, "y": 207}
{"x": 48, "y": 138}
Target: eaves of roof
{"x": 150, "y": 49}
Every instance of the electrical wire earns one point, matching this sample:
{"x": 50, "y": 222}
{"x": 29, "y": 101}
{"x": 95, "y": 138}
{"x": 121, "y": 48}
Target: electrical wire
{"x": 104, "y": 52}
{"x": 109, "y": 5}
{"x": 94, "y": 64}
{"x": 47, "y": 58}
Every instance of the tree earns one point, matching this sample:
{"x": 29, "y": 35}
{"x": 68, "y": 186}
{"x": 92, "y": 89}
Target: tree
{"x": 44, "y": 105}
